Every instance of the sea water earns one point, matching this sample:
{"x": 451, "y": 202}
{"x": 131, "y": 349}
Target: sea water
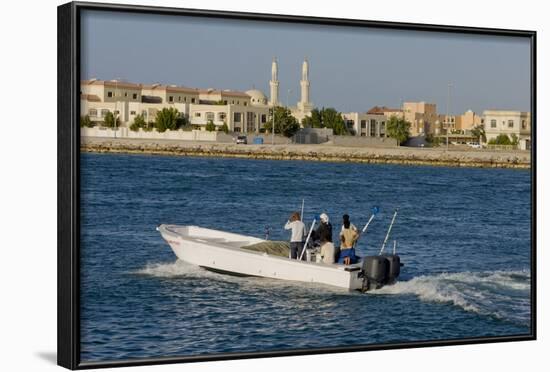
{"x": 463, "y": 235}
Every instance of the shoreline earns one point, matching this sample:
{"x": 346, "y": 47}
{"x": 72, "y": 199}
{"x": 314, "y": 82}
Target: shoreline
{"x": 323, "y": 153}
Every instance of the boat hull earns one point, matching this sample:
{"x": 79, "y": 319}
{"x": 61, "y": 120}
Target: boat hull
{"x": 220, "y": 251}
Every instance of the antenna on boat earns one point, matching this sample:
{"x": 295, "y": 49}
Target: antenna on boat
{"x": 388, "y": 233}
{"x": 375, "y": 210}
{"x": 302, "y": 214}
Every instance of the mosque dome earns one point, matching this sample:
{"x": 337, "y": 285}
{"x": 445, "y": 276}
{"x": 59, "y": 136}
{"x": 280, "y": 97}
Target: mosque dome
{"x": 257, "y": 97}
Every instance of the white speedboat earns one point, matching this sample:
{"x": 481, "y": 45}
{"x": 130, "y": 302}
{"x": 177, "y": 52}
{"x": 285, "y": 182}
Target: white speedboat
{"x": 223, "y": 252}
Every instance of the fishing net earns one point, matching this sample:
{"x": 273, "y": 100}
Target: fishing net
{"x": 272, "y": 247}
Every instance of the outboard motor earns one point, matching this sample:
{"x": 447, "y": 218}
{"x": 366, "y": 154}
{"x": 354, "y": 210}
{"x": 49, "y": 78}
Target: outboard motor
{"x": 394, "y": 268}
{"x": 384, "y": 268}
{"x": 375, "y": 271}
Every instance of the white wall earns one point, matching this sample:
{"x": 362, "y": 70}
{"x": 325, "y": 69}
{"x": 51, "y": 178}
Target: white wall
{"x": 192, "y": 135}
{"x": 28, "y": 187}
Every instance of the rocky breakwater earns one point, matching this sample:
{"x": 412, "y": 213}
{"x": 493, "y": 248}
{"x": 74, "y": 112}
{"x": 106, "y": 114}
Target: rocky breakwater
{"x": 399, "y": 155}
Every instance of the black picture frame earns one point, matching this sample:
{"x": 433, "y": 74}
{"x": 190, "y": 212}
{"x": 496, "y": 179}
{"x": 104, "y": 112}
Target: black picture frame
{"x": 68, "y": 321}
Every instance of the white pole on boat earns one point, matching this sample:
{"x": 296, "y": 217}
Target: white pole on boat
{"x": 388, "y": 233}
{"x": 375, "y": 210}
{"x": 302, "y": 214}
{"x": 307, "y": 239}
{"x": 367, "y": 224}
{"x": 394, "y": 247}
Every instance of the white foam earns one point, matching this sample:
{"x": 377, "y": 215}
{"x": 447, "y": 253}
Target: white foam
{"x": 174, "y": 269}
{"x": 501, "y": 294}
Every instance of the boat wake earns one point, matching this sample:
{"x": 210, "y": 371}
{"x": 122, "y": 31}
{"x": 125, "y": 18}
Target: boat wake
{"x": 503, "y": 295}
{"x": 174, "y": 269}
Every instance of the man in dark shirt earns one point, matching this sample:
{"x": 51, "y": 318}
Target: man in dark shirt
{"x": 324, "y": 235}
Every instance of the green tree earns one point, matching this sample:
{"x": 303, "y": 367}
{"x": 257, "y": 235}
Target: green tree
{"x": 109, "y": 120}
{"x": 313, "y": 121}
{"x": 181, "y": 121}
{"x": 210, "y": 126}
{"x": 149, "y": 126}
{"x": 224, "y": 128}
{"x": 479, "y": 132}
{"x": 433, "y": 141}
{"x": 285, "y": 123}
{"x": 502, "y": 139}
{"x": 398, "y": 128}
{"x": 167, "y": 119}
{"x": 326, "y": 118}
{"x": 85, "y": 121}
{"x": 514, "y": 139}
{"x": 139, "y": 122}
{"x": 333, "y": 119}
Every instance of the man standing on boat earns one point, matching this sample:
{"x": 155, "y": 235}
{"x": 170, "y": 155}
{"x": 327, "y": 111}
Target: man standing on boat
{"x": 324, "y": 235}
{"x": 297, "y": 236}
{"x": 348, "y": 237}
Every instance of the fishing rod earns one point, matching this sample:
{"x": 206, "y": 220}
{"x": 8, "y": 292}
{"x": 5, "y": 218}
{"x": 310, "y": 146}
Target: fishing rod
{"x": 302, "y": 214}
{"x": 388, "y": 233}
{"x": 307, "y": 239}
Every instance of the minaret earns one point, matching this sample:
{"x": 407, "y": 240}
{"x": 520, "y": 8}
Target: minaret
{"x": 304, "y": 83}
{"x": 304, "y": 107}
{"x": 274, "y": 84}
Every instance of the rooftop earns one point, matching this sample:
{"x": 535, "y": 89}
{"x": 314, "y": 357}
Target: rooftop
{"x": 381, "y": 110}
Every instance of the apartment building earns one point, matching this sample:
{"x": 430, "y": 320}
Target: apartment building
{"x": 516, "y": 123}
{"x": 241, "y": 111}
{"x": 422, "y": 116}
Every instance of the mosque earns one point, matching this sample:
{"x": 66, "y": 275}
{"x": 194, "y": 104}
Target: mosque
{"x": 242, "y": 112}
{"x": 304, "y": 106}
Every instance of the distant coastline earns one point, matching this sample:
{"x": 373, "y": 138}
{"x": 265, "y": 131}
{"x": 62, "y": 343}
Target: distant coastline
{"x": 329, "y": 153}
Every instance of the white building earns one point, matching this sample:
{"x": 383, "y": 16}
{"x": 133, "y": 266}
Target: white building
{"x": 366, "y": 125}
{"x": 511, "y": 123}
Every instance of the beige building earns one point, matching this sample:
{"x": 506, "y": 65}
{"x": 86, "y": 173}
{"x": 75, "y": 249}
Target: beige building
{"x": 516, "y": 123}
{"x": 467, "y": 121}
{"x": 444, "y": 123}
{"x": 422, "y": 116}
{"x": 388, "y": 112}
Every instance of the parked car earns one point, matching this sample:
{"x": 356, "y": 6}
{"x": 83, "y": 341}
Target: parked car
{"x": 241, "y": 140}
{"x": 474, "y": 145}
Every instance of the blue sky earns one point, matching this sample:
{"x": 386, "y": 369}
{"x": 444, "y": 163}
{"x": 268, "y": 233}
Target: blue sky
{"x": 351, "y": 69}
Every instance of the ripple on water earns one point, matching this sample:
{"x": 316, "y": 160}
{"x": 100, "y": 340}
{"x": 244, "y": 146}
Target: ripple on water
{"x": 464, "y": 236}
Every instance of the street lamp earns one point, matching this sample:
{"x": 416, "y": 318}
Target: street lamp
{"x": 447, "y": 116}
{"x": 115, "y": 113}
{"x": 273, "y": 127}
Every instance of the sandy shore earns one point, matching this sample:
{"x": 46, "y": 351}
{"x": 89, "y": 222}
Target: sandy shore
{"x": 401, "y": 155}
